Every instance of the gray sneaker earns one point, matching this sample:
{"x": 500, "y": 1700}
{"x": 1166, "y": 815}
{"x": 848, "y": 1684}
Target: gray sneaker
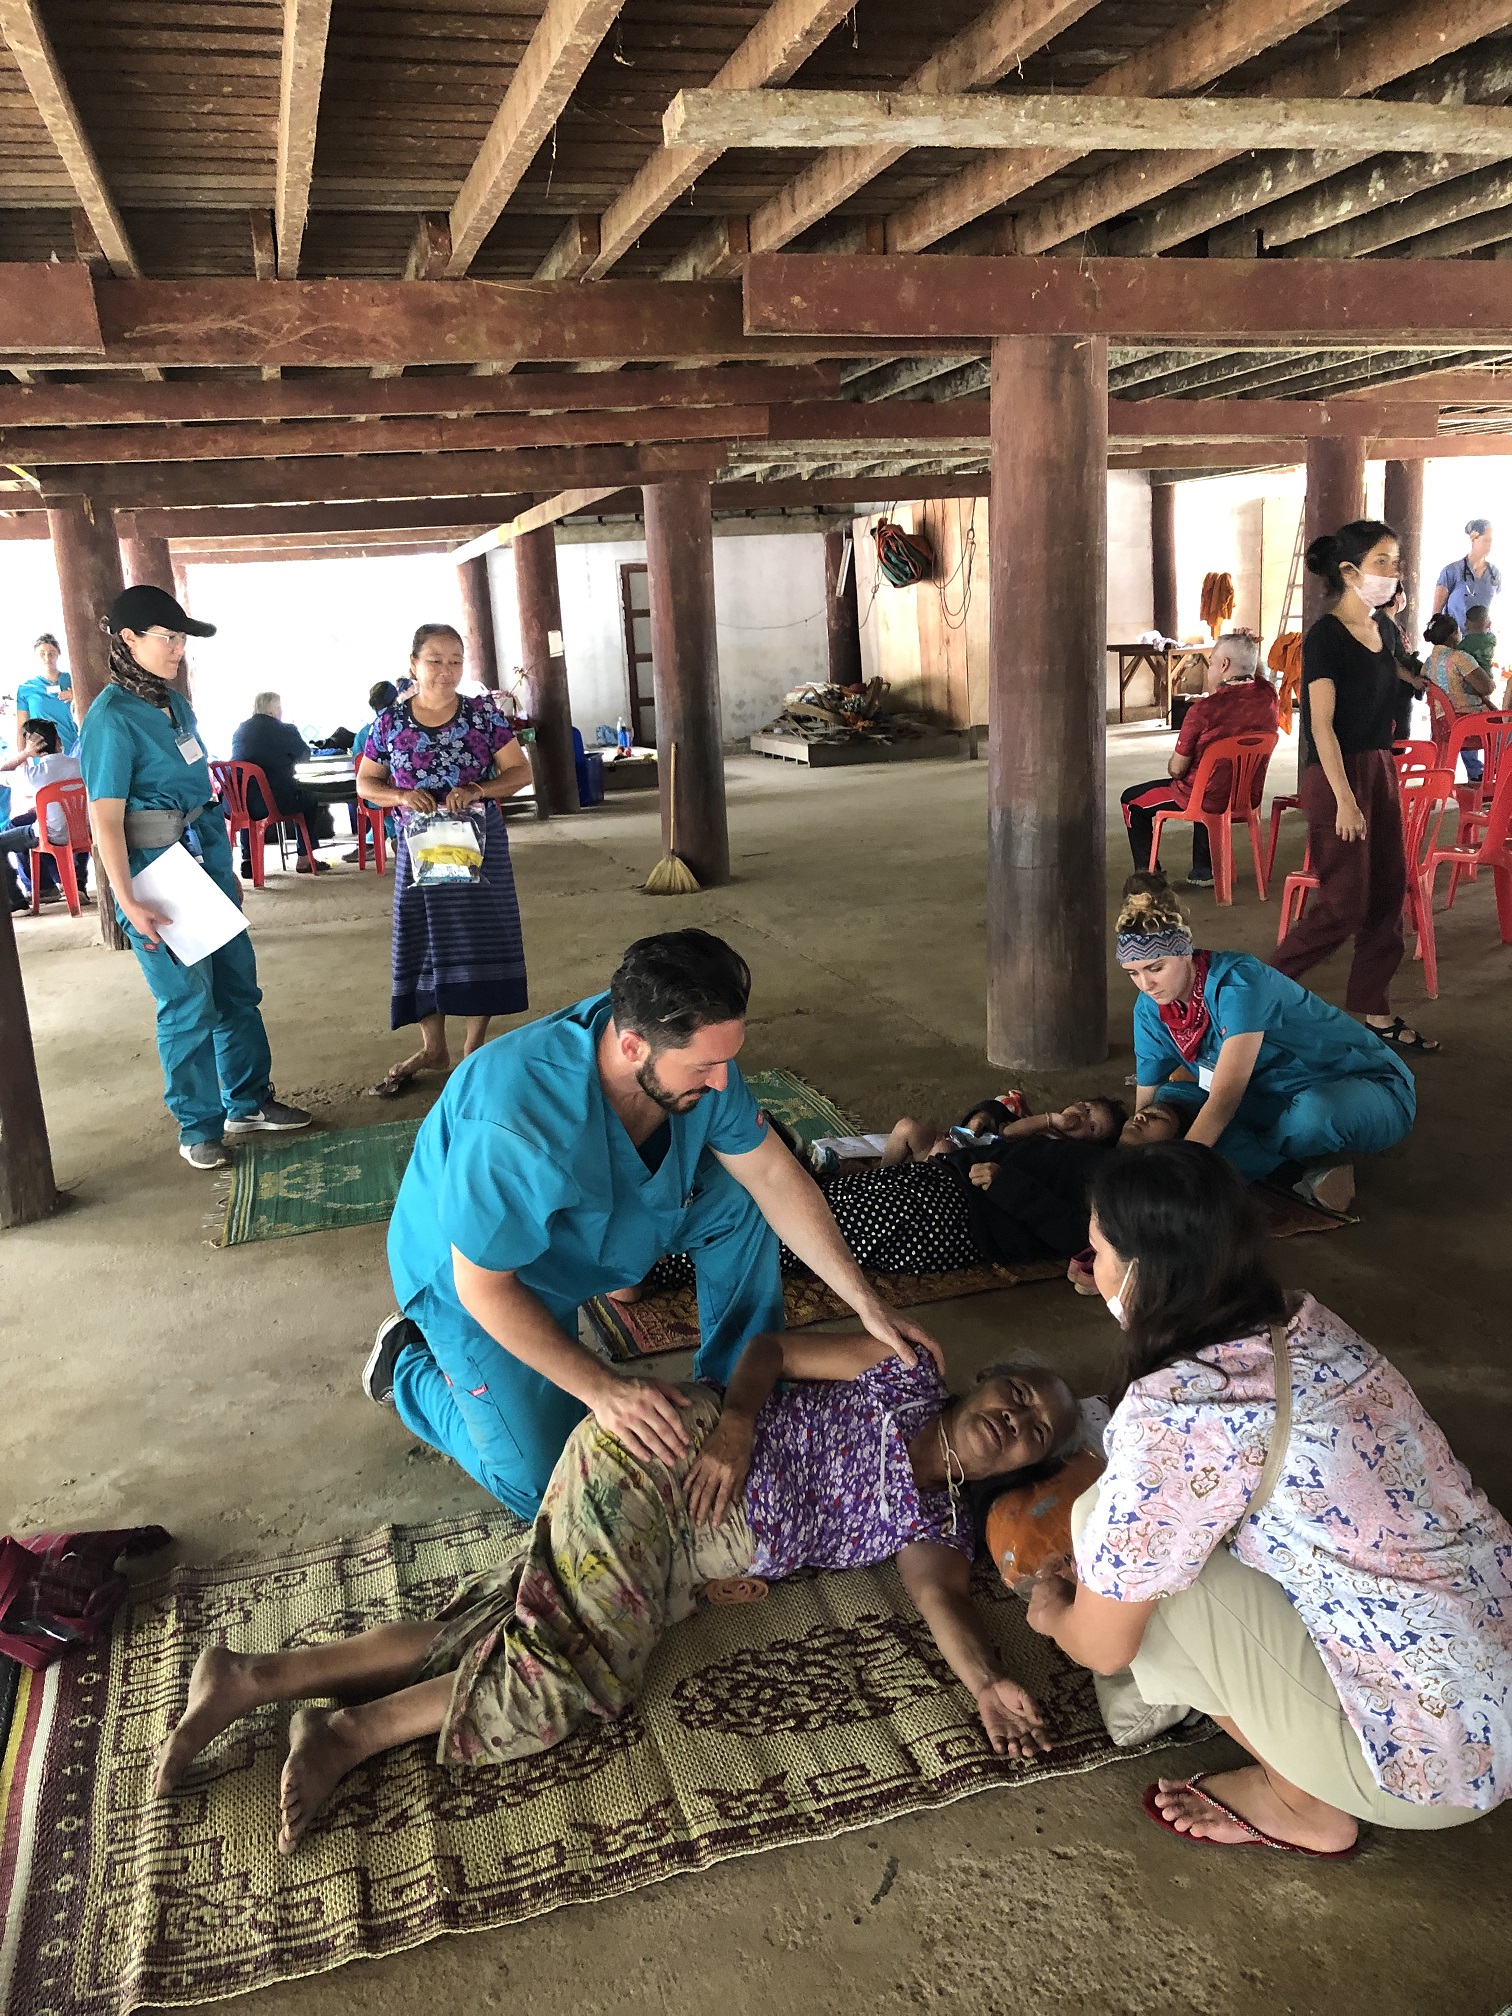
{"x": 272, "y": 1117}
{"x": 204, "y": 1155}
{"x": 395, "y": 1334}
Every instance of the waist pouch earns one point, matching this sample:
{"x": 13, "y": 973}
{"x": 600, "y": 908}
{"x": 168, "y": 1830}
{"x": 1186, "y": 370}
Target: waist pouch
{"x": 151, "y": 827}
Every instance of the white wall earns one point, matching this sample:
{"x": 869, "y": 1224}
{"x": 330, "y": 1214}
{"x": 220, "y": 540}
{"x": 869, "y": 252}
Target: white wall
{"x": 769, "y": 607}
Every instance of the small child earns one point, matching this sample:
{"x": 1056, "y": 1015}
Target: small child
{"x": 1479, "y": 638}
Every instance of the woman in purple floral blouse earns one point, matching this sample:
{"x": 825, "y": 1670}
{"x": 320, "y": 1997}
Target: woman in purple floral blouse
{"x": 457, "y": 950}
{"x": 827, "y": 1452}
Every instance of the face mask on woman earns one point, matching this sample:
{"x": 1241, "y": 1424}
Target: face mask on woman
{"x": 1374, "y": 590}
{"x": 1115, "y": 1302}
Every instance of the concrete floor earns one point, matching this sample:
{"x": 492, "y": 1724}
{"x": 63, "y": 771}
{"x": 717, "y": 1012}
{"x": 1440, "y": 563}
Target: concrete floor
{"x": 151, "y": 1377}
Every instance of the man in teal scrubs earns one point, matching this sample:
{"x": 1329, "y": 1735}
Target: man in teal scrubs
{"x": 562, "y": 1161}
{"x": 47, "y": 696}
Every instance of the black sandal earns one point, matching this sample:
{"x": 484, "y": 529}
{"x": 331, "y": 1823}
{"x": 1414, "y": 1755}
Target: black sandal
{"x": 1395, "y": 1034}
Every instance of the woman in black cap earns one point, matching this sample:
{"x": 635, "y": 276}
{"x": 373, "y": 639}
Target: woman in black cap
{"x": 149, "y": 784}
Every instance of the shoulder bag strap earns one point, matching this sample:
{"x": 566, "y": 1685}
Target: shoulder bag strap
{"x": 1275, "y": 1455}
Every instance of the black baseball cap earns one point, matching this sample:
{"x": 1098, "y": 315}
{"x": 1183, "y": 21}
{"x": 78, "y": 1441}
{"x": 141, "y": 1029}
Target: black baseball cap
{"x": 139, "y": 608}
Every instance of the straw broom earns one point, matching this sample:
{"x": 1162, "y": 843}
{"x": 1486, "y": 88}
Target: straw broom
{"x": 670, "y": 876}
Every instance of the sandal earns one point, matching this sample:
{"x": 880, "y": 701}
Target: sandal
{"x": 393, "y": 1083}
{"x": 1399, "y": 1037}
{"x": 1257, "y": 1839}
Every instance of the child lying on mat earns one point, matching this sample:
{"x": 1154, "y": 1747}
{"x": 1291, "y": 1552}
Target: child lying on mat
{"x": 1004, "y": 1118}
{"x": 862, "y": 1459}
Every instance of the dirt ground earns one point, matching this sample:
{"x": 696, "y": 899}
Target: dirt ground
{"x": 149, "y": 1376}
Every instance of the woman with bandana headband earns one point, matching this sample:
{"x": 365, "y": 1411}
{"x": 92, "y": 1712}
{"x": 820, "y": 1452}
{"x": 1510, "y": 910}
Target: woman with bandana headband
{"x": 1288, "y": 1087}
{"x": 1354, "y": 670}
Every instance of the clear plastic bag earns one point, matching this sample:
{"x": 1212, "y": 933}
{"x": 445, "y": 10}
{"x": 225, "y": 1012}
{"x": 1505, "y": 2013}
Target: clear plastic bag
{"x": 446, "y": 849}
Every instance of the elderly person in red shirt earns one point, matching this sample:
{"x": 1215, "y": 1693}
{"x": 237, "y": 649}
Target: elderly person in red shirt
{"x": 1238, "y": 701}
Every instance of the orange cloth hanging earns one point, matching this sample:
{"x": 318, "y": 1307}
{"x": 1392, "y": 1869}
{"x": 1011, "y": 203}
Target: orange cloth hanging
{"x": 1285, "y": 657}
{"x": 1217, "y": 600}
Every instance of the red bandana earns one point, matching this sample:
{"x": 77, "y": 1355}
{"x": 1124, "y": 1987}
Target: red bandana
{"x": 1187, "y": 1021}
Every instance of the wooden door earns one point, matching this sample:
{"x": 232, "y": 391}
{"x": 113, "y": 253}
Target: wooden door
{"x": 635, "y": 601}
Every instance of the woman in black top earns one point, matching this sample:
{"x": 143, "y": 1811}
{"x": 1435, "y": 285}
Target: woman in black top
{"x": 1352, "y": 681}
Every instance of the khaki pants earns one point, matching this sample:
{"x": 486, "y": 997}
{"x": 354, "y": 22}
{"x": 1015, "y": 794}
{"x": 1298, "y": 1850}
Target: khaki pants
{"x": 1234, "y": 1645}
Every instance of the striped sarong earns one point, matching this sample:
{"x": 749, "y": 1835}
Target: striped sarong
{"x": 459, "y": 950}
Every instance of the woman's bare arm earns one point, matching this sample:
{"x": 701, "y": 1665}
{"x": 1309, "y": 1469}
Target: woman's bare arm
{"x": 1349, "y": 822}
{"x": 1096, "y": 1631}
{"x": 938, "y": 1578}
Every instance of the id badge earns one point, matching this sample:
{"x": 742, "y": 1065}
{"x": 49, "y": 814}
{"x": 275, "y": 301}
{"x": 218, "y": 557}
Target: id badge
{"x": 189, "y": 748}
{"x": 1204, "y": 1078}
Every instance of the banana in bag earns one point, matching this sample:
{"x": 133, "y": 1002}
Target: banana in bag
{"x": 446, "y": 849}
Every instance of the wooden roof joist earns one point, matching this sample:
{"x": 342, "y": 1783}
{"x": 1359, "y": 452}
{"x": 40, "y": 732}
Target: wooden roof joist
{"x": 243, "y": 522}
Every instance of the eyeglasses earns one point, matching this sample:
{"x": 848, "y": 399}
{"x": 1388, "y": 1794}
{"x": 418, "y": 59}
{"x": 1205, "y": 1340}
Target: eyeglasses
{"x": 167, "y": 636}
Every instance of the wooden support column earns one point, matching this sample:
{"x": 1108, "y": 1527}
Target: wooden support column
{"x": 1163, "y": 555}
{"x": 545, "y": 669}
{"x": 1047, "y": 949}
{"x": 87, "y": 555}
{"x": 685, "y": 664}
{"x": 1335, "y": 496}
{"x": 477, "y": 621}
{"x": 842, "y": 612}
{"x": 27, "y": 1189}
{"x": 1404, "y": 514}
{"x": 178, "y": 587}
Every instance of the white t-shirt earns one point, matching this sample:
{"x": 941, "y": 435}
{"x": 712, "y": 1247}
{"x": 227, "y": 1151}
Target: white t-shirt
{"x": 34, "y": 774}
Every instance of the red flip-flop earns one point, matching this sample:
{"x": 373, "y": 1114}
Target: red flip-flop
{"x": 1257, "y": 1839}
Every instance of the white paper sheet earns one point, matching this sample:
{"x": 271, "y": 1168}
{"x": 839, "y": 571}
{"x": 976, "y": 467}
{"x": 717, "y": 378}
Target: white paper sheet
{"x": 201, "y": 915}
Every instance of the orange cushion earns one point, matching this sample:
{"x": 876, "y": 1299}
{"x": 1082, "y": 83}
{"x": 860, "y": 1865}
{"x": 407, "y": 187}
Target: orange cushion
{"x": 1031, "y": 1523}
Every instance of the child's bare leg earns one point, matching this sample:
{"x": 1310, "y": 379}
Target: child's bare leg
{"x": 227, "y": 1685}
{"x": 326, "y": 1743}
{"x": 910, "y": 1141}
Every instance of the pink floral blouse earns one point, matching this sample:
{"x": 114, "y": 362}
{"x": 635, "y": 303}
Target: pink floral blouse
{"x": 1400, "y": 1568}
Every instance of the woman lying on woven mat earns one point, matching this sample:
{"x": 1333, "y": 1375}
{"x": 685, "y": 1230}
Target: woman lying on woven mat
{"x": 1281, "y": 1538}
{"x": 862, "y": 1460}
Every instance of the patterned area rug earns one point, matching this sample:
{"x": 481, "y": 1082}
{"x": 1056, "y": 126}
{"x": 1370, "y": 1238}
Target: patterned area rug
{"x": 352, "y": 1177}
{"x": 822, "y": 1710}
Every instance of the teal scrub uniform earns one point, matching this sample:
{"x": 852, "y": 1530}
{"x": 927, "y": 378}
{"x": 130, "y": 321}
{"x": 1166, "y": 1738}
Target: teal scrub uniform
{"x": 524, "y": 1167}
{"x": 210, "y": 1034}
{"x": 1322, "y": 1085}
{"x": 34, "y": 698}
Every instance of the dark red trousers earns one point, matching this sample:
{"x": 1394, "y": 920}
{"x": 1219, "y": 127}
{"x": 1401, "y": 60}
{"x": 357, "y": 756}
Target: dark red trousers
{"x": 1361, "y": 883}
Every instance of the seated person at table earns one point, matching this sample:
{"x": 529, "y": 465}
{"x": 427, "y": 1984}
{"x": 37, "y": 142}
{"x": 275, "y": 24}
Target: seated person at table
{"x": 1288, "y": 1086}
{"x": 851, "y": 1460}
{"x": 1237, "y": 701}
{"x": 275, "y": 746}
{"x": 41, "y": 762}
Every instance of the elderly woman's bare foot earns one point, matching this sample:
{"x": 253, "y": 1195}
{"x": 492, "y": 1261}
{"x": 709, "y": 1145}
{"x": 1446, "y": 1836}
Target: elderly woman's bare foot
{"x": 399, "y": 1076}
{"x": 222, "y": 1688}
{"x": 320, "y": 1756}
{"x": 1301, "y": 1821}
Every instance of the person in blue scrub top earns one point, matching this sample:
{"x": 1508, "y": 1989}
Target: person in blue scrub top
{"x": 1287, "y": 1086}
{"x": 48, "y": 696}
{"x": 144, "y": 768}
{"x": 562, "y": 1161}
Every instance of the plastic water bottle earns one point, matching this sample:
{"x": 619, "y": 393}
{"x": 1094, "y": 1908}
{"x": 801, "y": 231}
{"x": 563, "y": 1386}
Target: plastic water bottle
{"x": 622, "y": 736}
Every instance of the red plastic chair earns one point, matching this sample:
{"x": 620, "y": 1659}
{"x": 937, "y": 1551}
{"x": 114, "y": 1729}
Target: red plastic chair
{"x": 72, "y": 800}
{"x": 1492, "y": 735}
{"x": 1249, "y": 757}
{"x": 369, "y": 821}
{"x": 1282, "y": 802}
{"x": 232, "y": 780}
{"x": 1411, "y": 756}
{"x": 1441, "y": 716}
{"x": 1493, "y": 850}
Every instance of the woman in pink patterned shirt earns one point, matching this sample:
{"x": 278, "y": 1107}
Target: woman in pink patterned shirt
{"x": 1323, "y": 1579}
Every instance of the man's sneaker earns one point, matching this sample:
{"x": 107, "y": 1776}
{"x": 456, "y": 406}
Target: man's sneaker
{"x": 1197, "y": 881}
{"x": 272, "y": 1117}
{"x": 395, "y": 1334}
{"x": 204, "y": 1154}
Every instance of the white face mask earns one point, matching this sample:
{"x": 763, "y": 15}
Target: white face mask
{"x": 1115, "y": 1302}
{"x": 1374, "y": 590}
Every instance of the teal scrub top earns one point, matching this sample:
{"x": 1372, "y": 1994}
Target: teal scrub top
{"x": 525, "y": 1167}
{"x": 129, "y": 749}
{"x": 1306, "y": 1040}
{"x": 35, "y": 697}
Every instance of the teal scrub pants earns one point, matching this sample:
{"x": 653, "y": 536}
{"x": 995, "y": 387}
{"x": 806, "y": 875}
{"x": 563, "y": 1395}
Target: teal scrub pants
{"x": 210, "y": 1035}
{"x": 504, "y": 1424}
{"x": 1337, "y": 1116}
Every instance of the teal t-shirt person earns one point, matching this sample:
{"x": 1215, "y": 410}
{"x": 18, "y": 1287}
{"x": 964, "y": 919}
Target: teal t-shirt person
{"x": 48, "y": 695}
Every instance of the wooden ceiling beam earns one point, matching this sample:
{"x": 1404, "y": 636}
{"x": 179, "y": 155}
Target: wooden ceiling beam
{"x": 780, "y": 43}
{"x": 253, "y": 521}
{"x": 982, "y": 53}
{"x": 1363, "y": 192}
{"x": 941, "y": 300}
{"x": 565, "y": 39}
{"x": 1142, "y": 420}
{"x": 550, "y": 511}
{"x": 845, "y": 119}
{"x": 1186, "y": 59}
{"x": 1410, "y": 217}
{"x": 49, "y": 312}
{"x": 1448, "y": 388}
{"x": 51, "y": 447}
{"x": 234, "y": 555}
{"x": 576, "y": 248}
{"x": 1412, "y": 33}
{"x": 1470, "y": 234}
{"x": 21, "y": 25}
{"x": 306, "y": 26}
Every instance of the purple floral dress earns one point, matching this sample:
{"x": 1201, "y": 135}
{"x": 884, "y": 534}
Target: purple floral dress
{"x": 457, "y": 950}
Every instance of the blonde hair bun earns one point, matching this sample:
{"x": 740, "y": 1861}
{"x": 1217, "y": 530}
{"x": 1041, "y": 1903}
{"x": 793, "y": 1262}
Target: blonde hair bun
{"x": 1149, "y": 906}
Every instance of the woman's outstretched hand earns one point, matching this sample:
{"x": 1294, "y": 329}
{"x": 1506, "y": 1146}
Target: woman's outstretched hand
{"x": 717, "y": 1478}
{"x": 1011, "y": 1716}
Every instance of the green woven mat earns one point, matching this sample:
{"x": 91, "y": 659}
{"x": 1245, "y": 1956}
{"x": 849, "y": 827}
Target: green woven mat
{"x": 321, "y": 1181}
